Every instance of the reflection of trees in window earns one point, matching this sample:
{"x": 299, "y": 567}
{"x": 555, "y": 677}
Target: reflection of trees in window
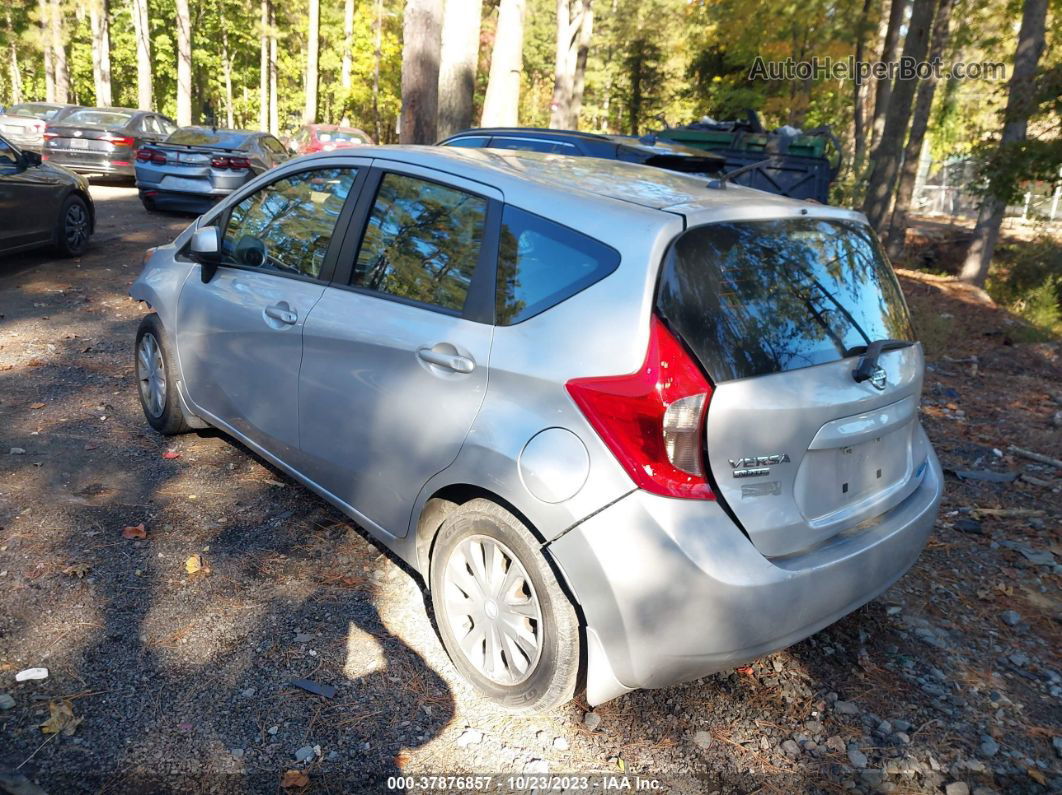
{"x": 422, "y": 242}
{"x": 294, "y": 217}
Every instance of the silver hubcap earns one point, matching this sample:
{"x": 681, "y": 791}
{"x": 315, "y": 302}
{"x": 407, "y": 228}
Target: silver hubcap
{"x": 75, "y": 226}
{"x": 152, "y": 375}
{"x": 492, "y": 610}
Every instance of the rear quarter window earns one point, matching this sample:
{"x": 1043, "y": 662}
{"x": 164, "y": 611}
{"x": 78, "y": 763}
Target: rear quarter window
{"x": 541, "y": 263}
{"x": 756, "y": 297}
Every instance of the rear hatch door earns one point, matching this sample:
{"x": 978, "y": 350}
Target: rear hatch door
{"x": 777, "y": 312}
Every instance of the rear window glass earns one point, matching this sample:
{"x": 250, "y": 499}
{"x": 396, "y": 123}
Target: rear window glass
{"x": 36, "y": 111}
{"x": 758, "y": 297}
{"x": 342, "y": 136}
{"x": 99, "y": 118}
{"x": 534, "y": 145}
{"x": 541, "y": 263}
{"x": 225, "y": 139}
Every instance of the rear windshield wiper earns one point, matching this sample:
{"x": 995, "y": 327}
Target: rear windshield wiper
{"x": 871, "y": 352}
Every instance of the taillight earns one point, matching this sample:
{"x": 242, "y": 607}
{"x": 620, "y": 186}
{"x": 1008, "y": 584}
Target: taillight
{"x": 50, "y": 135}
{"x": 152, "y": 156}
{"x": 653, "y": 419}
{"x": 143, "y": 155}
{"x": 235, "y": 163}
{"x": 118, "y": 140}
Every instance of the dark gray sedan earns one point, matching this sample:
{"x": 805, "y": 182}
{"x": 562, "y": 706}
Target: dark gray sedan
{"x": 196, "y": 166}
{"x": 42, "y": 204}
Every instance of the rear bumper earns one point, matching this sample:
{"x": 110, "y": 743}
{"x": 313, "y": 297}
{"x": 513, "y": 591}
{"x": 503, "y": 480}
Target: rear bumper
{"x": 89, "y": 163}
{"x": 172, "y": 200}
{"x": 672, "y": 591}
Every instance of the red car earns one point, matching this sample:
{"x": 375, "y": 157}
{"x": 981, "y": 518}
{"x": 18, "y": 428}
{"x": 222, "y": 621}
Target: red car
{"x": 326, "y": 137}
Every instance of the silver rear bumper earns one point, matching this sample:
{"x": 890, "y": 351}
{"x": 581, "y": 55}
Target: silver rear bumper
{"x": 672, "y": 591}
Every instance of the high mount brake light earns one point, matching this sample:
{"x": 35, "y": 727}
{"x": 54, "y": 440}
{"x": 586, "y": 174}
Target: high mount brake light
{"x": 653, "y": 419}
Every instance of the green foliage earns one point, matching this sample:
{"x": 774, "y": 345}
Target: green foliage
{"x": 1027, "y": 280}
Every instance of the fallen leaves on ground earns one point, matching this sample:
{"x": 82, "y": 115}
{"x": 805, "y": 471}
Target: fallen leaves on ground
{"x": 78, "y": 570}
{"x": 196, "y": 565}
{"x": 38, "y": 405}
{"x": 61, "y": 718}
{"x": 134, "y": 531}
{"x": 294, "y": 779}
{"x": 169, "y": 455}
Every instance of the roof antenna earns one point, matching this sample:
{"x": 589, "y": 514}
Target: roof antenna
{"x": 720, "y": 182}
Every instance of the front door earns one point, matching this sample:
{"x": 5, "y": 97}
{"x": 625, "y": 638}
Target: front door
{"x": 29, "y": 200}
{"x": 395, "y": 362}
{"x": 239, "y": 336}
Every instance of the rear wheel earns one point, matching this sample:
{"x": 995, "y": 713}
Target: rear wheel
{"x": 154, "y": 376}
{"x": 149, "y": 204}
{"x": 74, "y": 227}
{"x": 506, "y": 623}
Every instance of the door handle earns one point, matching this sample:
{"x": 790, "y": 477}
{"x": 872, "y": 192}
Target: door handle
{"x": 451, "y": 361}
{"x": 282, "y": 315}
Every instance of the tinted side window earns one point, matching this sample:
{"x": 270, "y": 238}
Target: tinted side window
{"x": 273, "y": 145}
{"x": 469, "y": 142}
{"x": 541, "y": 263}
{"x": 422, "y": 242}
{"x": 534, "y": 145}
{"x": 287, "y": 225}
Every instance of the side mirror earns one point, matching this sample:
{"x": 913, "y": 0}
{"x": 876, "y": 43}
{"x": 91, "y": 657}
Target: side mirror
{"x": 31, "y": 159}
{"x": 205, "y": 249}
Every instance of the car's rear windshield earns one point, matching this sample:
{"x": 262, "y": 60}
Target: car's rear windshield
{"x": 224, "y": 139}
{"x": 758, "y": 297}
{"x": 98, "y": 118}
{"x": 342, "y": 136}
{"x": 32, "y": 109}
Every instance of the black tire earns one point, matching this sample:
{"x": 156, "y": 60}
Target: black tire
{"x": 149, "y": 205}
{"x": 73, "y": 227}
{"x": 551, "y": 680}
{"x": 164, "y": 415}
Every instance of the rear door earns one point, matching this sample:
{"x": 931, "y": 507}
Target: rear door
{"x": 239, "y": 336}
{"x": 777, "y": 312}
{"x": 29, "y": 200}
{"x": 396, "y": 351}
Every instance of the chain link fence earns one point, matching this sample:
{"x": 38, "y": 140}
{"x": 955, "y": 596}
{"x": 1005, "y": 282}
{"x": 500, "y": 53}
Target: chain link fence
{"x": 944, "y": 188}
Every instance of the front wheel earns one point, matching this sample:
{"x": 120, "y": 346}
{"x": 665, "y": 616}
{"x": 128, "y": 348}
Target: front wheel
{"x": 74, "y": 227}
{"x": 155, "y": 379}
{"x": 506, "y": 623}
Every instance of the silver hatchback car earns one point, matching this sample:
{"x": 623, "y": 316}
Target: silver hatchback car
{"x": 632, "y": 428}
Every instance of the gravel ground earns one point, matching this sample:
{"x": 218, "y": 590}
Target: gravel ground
{"x": 162, "y": 679}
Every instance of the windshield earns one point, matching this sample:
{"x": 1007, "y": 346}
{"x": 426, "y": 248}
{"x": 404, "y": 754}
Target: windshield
{"x": 225, "y": 139}
{"x": 98, "y": 118}
{"x": 32, "y": 109}
{"x": 758, "y": 297}
{"x": 342, "y": 136}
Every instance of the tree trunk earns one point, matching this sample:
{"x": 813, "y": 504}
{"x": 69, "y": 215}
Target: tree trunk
{"x": 313, "y": 42}
{"x": 263, "y": 67}
{"x": 274, "y": 105}
{"x": 14, "y": 74}
{"x": 457, "y": 72}
{"x": 501, "y": 106}
{"x": 575, "y": 20}
{"x": 421, "y": 42}
{"x": 184, "y": 64}
{"x": 377, "y": 25}
{"x": 859, "y": 90}
{"x": 348, "y": 44}
{"x": 226, "y": 65}
{"x": 1021, "y": 102}
{"x": 889, "y": 49}
{"x": 62, "y": 76}
{"x": 885, "y": 162}
{"x": 44, "y": 12}
{"x": 142, "y": 29}
{"x": 897, "y": 232}
{"x": 101, "y": 51}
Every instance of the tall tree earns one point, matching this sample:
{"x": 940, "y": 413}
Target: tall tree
{"x": 226, "y": 64}
{"x": 313, "y": 43}
{"x": 897, "y": 231}
{"x": 348, "y": 45}
{"x": 1021, "y": 102}
{"x": 44, "y": 15}
{"x": 99, "y": 23}
{"x": 377, "y": 34}
{"x": 263, "y": 67}
{"x": 859, "y": 91}
{"x": 889, "y": 48}
{"x": 885, "y": 161}
{"x": 421, "y": 42}
{"x": 274, "y": 105}
{"x": 501, "y": 105}
{"x": 575, "y": 24}
{"x": 14, "y": 73}
{"x": 142, "y": 30}
{"x": 57, "y": 26}
{"x": 457, "y": 72}
{"x": 184, "y": 64}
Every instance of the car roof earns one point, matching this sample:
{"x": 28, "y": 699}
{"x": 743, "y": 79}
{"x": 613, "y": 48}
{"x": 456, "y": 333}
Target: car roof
{"x": 592, "y": 179}
{"x": 532, "y": 131}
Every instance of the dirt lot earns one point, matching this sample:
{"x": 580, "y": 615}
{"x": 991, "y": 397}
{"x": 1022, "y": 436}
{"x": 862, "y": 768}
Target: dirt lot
{"x": 182, "y": 680}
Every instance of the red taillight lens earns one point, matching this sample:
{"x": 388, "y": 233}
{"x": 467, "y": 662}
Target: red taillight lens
{"x": 143, "y": 155}
{"x": 50, "y": 135}
{"x": 653, "y": 419}
{"x": 118, "y": 140}
{"x": 235, "y": 163}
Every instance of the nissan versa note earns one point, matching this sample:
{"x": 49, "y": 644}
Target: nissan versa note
{"x": 631, "y": 427}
